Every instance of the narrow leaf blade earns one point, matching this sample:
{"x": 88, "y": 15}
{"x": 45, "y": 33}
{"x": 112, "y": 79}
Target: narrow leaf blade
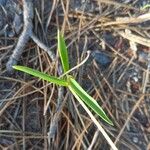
{"x": 41, "y": 75}
{"x": 62, "y": 49}
{"x": 88, "y": 100}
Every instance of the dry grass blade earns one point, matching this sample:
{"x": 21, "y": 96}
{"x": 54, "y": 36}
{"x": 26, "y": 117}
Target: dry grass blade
{"x": 128, "y": 20}
{"x": 129, "y": 117}
{"x": 111, "y": 2}
{"x": 135, "y": 38}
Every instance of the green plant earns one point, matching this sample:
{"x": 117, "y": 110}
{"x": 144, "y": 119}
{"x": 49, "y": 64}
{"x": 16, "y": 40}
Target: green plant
{"x": 145, "y": 7}
{"x": 68, "y": 80}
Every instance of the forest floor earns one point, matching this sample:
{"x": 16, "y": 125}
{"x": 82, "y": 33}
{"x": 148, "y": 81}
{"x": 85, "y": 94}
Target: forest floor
{"x": 37, "y": 115}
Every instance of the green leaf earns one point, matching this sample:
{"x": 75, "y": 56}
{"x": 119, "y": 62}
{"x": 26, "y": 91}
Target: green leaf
{"x": 145, "y": 6}
{"x": 73, "y": 85}
{"x": 41, "y": 75}
{"x": 62, "y": 49}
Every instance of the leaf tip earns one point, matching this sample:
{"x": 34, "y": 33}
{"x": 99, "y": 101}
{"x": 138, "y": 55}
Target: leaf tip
{"x": 110, "y": 122}
{"x": 107, "y": 120}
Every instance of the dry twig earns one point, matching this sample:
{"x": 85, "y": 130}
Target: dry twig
{"x": 26, "y": 34}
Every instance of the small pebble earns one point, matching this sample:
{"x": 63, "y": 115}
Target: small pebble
{"x": 142, "y": 57}
{"x": 102, "y": 58}
{"x": 135, "y": 79}
{"x": 135, "y": 139}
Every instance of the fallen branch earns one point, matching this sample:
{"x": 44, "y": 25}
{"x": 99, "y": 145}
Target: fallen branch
{"x": 25, "y": 35}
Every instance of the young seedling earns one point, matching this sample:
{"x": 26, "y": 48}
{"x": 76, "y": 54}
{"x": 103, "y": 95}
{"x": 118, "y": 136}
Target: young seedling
{"x": 68, "y": 81}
